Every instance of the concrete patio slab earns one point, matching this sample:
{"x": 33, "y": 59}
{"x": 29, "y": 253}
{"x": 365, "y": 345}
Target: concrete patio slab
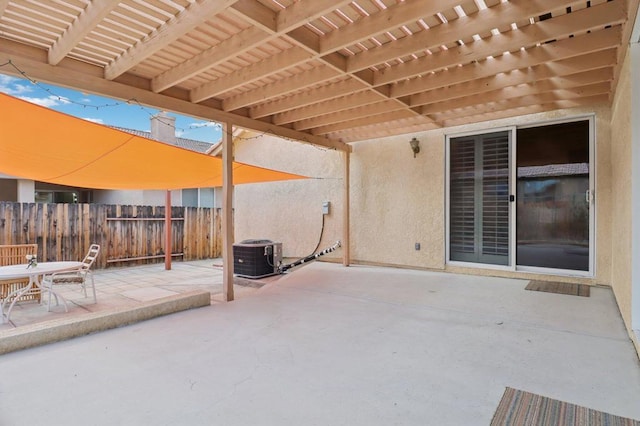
{"x": 146, "y": 294}
{"x": 63, "y": 328}
{"x": 329, "y": 345}
{"x": 125, "y": 295}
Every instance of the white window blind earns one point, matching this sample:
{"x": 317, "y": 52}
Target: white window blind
{"x": 479, "y": 198}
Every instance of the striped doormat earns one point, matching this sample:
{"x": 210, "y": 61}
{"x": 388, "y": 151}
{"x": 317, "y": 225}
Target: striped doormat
{"x": 560, "y": 288}
{"x": 520, "y": 408}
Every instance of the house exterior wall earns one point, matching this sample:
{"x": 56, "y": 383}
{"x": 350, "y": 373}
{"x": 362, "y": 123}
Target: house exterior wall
{"x": 8, "y": 189}
{"x": 621, "y": 159}
{"x": 635, "y": 183}
{"x": 396, "y": 200}
{"x": 26, "y": 190}
{"x": 621, "y": 190}
{"x": 404, "y": 198}
{"x": 291, "y": 211}
{"x": 136, "y": 197}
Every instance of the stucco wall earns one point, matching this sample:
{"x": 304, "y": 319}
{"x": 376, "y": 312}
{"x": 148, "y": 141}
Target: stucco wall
{"x": 291, "y": 211}
{"x": 621, "y": 193}
{"x": 396, "y": 200}
{"x": 403, "y": 198}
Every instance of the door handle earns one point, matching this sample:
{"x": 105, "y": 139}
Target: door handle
{"x": 588, "y": 196}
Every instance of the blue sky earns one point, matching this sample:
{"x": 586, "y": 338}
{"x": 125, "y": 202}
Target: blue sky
{"x": 104, "y": 110}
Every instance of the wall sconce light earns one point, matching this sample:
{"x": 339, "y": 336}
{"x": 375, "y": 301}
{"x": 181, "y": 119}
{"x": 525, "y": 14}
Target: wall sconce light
{"x": 415, "y": 146}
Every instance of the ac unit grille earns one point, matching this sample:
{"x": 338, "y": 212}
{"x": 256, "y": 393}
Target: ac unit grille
{"x": 256, "y": 258}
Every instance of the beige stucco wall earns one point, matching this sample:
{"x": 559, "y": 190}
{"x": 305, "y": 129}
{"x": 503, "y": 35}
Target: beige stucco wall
{"x": 290, "y": 212}
{"x": 621, "y": 193}
{"x": 396, "y": 200}
{"x": 403, "y": 198}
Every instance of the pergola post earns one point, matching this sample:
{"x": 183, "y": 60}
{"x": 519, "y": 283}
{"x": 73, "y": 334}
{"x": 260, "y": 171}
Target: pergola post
{"x": 346, "y": 255}
{"x": 227, "y": 211}
{"x": 167, "y": 231}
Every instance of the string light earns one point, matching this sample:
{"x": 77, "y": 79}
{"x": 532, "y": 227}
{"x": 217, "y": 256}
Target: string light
{"x": 171, "y": 124}
{"x": 131, "y": 101}
{"x": 134, "y": 101}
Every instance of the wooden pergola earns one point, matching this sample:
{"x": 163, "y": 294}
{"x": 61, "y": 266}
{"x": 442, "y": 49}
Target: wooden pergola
{"x": 325, "y": 72}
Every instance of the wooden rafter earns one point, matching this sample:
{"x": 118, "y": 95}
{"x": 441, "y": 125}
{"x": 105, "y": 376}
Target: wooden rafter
{"x": 95, "y": 12}
{"x": 327, "y": 72}
{"x": 194, "y": 15}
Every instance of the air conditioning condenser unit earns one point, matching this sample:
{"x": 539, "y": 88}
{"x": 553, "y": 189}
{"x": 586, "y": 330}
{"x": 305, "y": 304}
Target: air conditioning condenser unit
{"x": 257, "y": 258}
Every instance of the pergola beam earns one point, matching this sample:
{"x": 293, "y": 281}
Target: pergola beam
{"x": 386, "y": 20}
{"x": 562, "y": 26}
{"x": 281, "y": 108}
{"x": 316, "y": 107}
{"x": 192, "y": 16}
{"x": 286, "y": 20}
{"x": 82, "y": 76}
{"x": 271, "y": 65}
{"x": 83, "y": 25}
{"x": 529, "y": 109}
{"x": 289, "y": 24}
{"x": 296, "y": 82}
{"x": 463, "y": 28}
{"x": 479, "y": 91}
{"x": 238, "y": 44}
{"x": 266, "y": 25}
{"x": 597, "y": 63}
{"x": 551, "y": 54}
{"x": 364, "y": 121}
{"x": 520, "y": 59}
{"x": 379, "y": 107}
{"x": 515, "y": 97}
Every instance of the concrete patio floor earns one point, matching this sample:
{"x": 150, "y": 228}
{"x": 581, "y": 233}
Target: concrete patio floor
{"x": 329, "y": 345}
{"x": 125, "y": 295}
{"x": 129, "y": 287}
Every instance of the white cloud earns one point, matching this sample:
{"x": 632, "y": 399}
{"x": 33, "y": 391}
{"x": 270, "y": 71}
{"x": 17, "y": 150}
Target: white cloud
{"x": 94, "y": 120}
{"x": 203, "y": 124}
{"x": 12, "y": 86}
{"x": 49, "y": 101}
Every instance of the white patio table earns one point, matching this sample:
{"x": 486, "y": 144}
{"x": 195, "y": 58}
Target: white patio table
{"x": 33, "y": 273}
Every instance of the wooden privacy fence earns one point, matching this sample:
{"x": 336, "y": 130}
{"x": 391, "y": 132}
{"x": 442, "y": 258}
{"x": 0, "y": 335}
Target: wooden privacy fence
{"x": 127, "y": 234}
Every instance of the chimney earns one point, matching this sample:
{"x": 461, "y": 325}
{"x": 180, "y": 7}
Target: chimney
{"x": 163, "y": 128}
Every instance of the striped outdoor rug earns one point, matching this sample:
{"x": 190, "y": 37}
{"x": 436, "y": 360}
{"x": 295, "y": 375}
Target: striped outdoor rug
{"x": 560, "y": 288}
{"x": 520, "y": 408}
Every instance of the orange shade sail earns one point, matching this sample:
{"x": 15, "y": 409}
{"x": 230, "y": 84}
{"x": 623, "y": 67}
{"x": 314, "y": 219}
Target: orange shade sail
{"x": 45, "y": 145}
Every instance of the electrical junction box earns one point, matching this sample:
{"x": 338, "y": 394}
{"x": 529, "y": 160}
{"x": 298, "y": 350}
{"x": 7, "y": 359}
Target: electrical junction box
{"x": 325, "y": 207}
{"x": 256, "y": 258}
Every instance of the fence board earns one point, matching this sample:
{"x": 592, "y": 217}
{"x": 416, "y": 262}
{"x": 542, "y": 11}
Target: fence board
{"x": 65, "y": 231}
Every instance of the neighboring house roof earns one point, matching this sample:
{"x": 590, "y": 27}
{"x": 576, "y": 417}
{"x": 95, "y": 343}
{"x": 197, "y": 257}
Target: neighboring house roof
{"x": 552, "y": 170}
{"x": 190, "y": 144}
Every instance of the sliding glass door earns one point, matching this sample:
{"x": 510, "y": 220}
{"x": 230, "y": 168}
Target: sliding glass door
{"x": 479, "y": 198}
{"x": 554, "y": 197}
{"x": 522, "y": 198}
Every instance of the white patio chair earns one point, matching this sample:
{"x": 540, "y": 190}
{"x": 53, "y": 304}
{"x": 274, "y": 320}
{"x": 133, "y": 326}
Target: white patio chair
{"x": 75, "y": 277}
